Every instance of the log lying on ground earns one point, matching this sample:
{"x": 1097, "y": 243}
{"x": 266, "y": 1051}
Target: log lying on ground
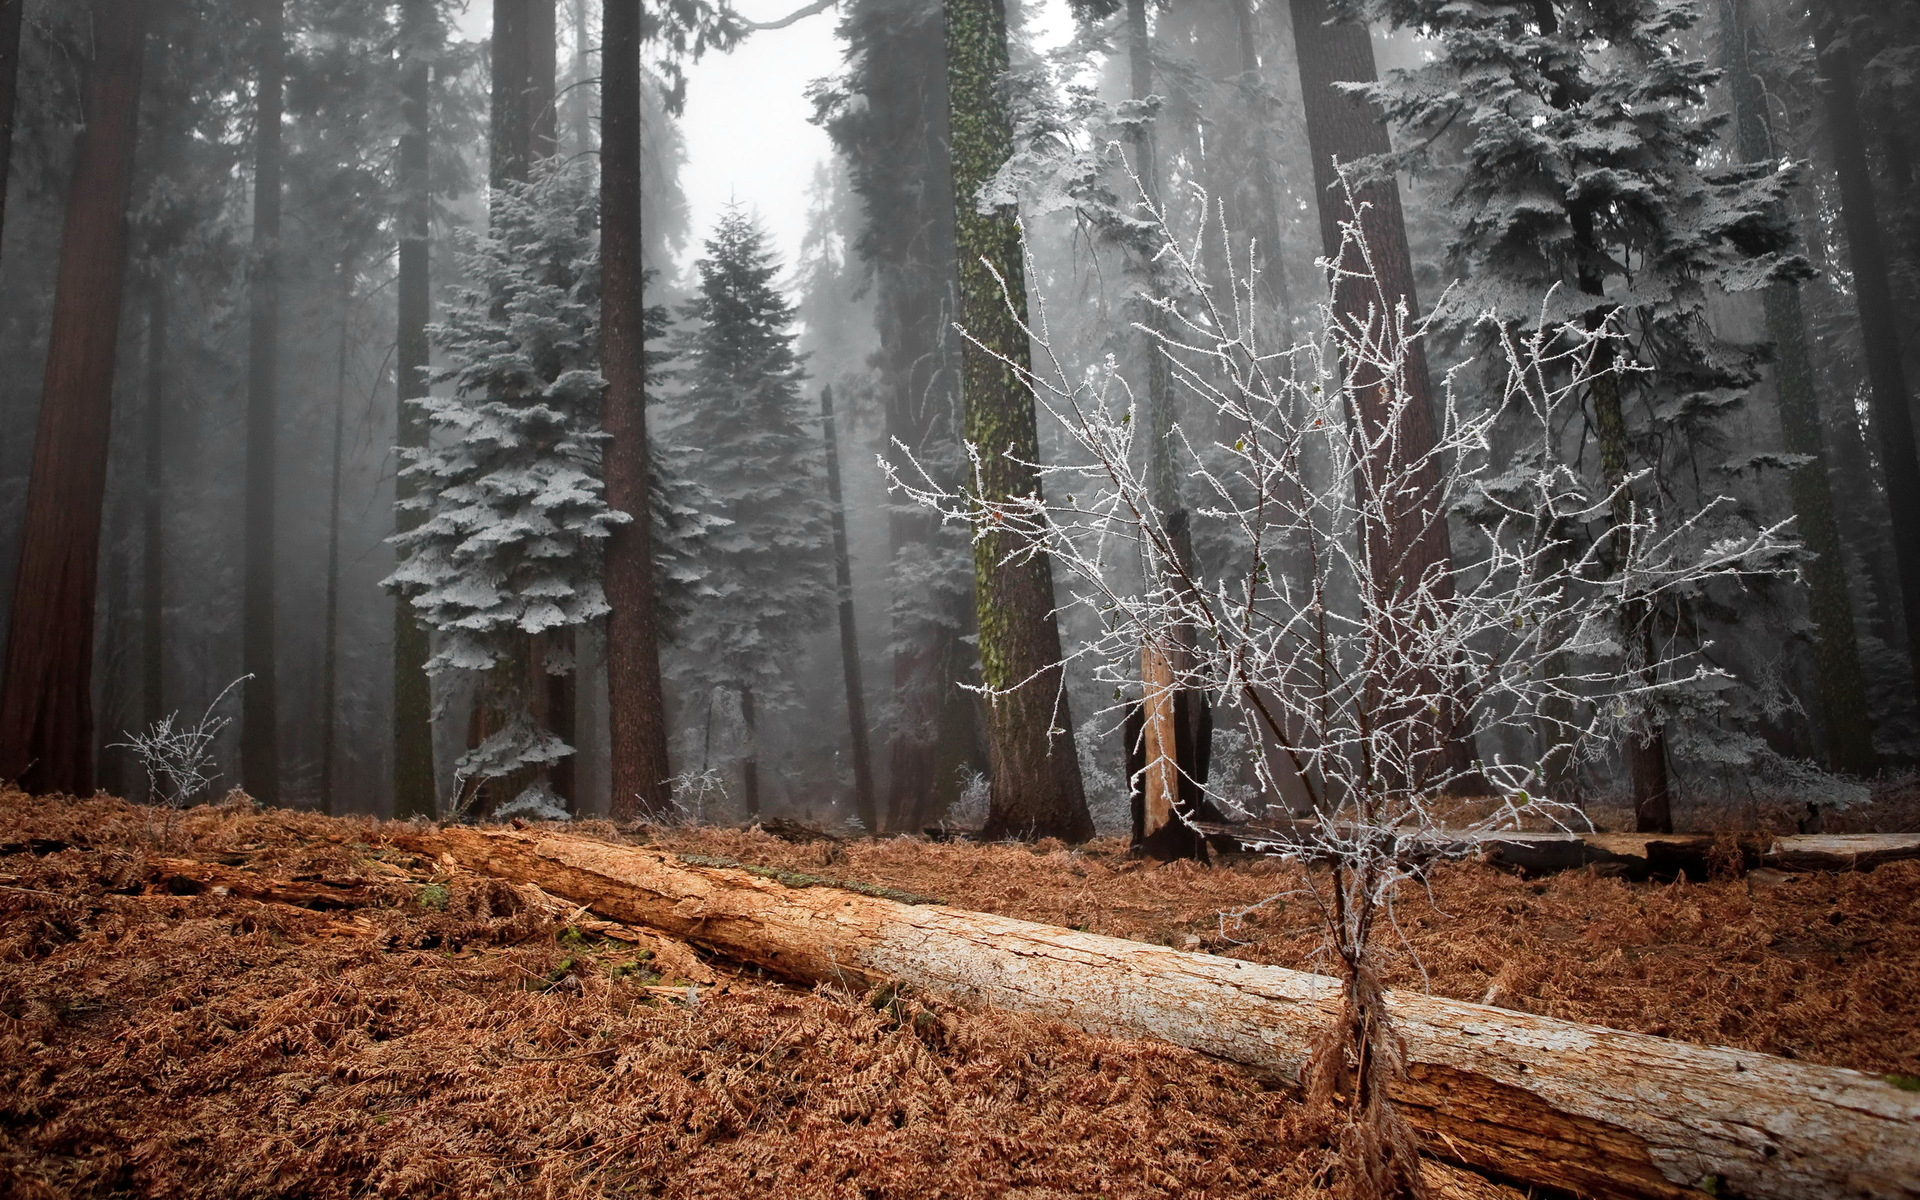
{"x": 1593, "y": 1111}
{"x": 1636, "y": 855}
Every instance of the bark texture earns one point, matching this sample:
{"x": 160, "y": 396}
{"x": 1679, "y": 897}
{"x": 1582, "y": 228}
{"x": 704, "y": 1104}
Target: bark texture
{"x": 1873, "y": 296}
{"x": 260, "y": 722}
{"x": 46, "y": 706}
{"x": 636, "y": 707}
{"x": 1552, "y": 1104}
{"x": 863, "y": 795}
{"x": 413, "y": 780}
{"x": 1410, "y": 541}
{"x": 1034, "y": 768}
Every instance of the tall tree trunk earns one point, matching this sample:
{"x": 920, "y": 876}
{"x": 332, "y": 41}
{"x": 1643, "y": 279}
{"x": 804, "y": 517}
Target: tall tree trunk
{"x": 11, "y": 12}
{"x": 1873, "y": 297}
{"x": 1168, "y": 722}
{"x": 864, "y": 805}
{"x": 636, "y": 705}
{"x": 511, "y": 132}
{"x": 1409, "y": 540}
{"x": 46, "y": 706}
{"x": 1035, "y": 768}
{"x": 543, "y": 36}
{"x": 153, "y": 593}
{"x": 260, "y": 731}
{"x": 1646, "y": 745}
{"x": 414, "y": 787}
{"x": 330, "y": 627}
{"x": 1842, "y": 689}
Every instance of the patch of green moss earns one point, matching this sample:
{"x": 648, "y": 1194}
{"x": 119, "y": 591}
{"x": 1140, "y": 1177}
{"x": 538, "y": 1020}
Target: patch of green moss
{"x": 1906, "y": 1083}
{"x": 434, "y": 896}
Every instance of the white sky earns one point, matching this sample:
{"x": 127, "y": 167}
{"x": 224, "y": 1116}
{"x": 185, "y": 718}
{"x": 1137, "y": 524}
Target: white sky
{"x": 748, "y": 137}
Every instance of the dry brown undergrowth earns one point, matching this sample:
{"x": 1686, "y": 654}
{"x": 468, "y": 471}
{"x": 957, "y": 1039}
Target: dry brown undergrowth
{"x": 209, "y": 1046}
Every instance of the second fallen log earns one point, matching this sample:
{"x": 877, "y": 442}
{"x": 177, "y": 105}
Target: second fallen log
{"x": 1590, "y": 1110}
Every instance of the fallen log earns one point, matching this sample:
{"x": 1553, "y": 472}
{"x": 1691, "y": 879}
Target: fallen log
{"x": 1635, "y": 855}
{"x": 1545, "y": 1103}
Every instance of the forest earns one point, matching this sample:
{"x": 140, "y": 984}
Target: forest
{"x": 893, "y": 598}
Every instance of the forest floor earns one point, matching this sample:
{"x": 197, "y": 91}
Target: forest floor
{"x": 442, "y": 1036}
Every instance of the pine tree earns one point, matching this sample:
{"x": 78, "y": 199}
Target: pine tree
{"x": 768, "y": 582}
{"x": 1582, "y": 175}
{"x": 514, "y": 510}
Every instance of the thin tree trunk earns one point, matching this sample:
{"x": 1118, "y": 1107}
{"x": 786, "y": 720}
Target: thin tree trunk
{"x": 1646, "y": 746}
{"x": 260, "y": 732}
{"x": 1035, "y": 769}
{"x": 1410, "y": 540}
{"x": 152, "y": 530}
{"x": 46, "y": 707}
{"x": 1842, "y": 688}
{"x": 330, "y": 628}
{"x": 414, "y": 787}
{"x": 864, "y": 804}
{"x": 1873, "y": 296}
{"x": 750, "y": 760}
{"x": 636, "y": 705}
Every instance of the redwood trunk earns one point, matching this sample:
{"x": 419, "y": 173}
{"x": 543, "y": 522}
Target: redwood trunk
{"x": 1873, "y": 297}
{"x": 413, "y": 780}
{"x": 636, "y": 706}
{"x": 1545, "y": 1103}
{"x": 46, "y": 708}
{"x": 1410, "y": 542}
{"x": 1034, "y": 766}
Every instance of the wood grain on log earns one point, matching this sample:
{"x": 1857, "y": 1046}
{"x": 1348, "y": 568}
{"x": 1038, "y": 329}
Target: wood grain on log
{"x": 1593, "y": 1111}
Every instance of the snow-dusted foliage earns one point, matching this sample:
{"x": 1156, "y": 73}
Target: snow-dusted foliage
{"x": 513, "y": 513}
{"x": 753, "y": 443}
{"x": 1580, "y": 161}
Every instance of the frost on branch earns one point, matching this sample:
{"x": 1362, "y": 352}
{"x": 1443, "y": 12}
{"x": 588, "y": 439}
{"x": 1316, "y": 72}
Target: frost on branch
{"x": 1351, "y": 668}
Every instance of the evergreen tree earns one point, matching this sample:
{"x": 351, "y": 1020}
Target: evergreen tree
{"x": 515, "y": 516}
{"x": 1582, "y": 184}
{"x": 768, "y": 582}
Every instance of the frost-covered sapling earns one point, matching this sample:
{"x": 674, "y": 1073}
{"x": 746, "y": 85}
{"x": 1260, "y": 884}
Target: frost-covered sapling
{"x": 1354, "y": 669}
